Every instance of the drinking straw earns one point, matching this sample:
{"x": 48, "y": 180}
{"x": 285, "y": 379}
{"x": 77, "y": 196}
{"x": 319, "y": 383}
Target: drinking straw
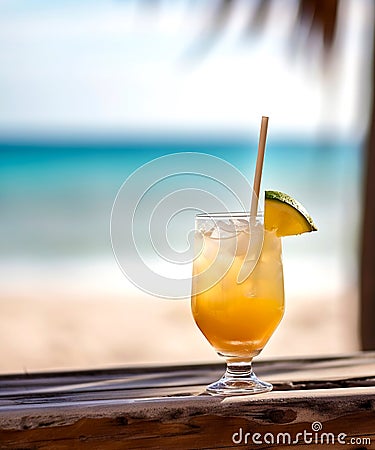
{"x": 259, "y": 165}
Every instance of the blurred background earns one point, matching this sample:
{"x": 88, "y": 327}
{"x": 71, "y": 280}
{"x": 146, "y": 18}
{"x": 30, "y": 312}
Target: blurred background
{"x": 92, "y": 90}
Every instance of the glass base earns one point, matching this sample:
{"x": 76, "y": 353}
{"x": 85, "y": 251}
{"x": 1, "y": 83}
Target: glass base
{"x": 239, "y": 379}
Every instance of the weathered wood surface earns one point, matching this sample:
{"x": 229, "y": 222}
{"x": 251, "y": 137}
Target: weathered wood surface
{"x": 166, "y": 407}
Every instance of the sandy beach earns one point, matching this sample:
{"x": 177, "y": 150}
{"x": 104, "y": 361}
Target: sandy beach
{"x": 77, "y": 320}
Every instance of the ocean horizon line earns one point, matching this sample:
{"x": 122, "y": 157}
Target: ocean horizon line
{"x": 171, "y": 139}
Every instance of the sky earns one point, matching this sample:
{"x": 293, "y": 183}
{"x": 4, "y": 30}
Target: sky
{"x": 120, "y": 67}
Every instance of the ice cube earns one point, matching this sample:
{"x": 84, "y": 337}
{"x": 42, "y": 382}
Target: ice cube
{"x": 246, "y": 270}
{"x": 227, "y": 225}
{"x": 242, "y": 225}
{"x": 215, "y": 233}
{"x": 243, "y": 243}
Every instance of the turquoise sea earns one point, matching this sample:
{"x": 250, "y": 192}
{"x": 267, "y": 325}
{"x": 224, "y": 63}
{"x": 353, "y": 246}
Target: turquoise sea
{"x": 56, "y": 195}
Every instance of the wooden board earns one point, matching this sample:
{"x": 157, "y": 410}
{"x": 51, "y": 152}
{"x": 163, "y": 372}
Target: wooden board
{"x": 167, "y": 408}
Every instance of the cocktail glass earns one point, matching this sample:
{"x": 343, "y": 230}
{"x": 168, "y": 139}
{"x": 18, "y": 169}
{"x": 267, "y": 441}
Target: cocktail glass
{"x": 237, "y": 293}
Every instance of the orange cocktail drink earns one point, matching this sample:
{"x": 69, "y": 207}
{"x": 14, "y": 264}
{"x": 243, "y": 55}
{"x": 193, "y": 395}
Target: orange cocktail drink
{"x": 238, "y": 290}
{"x": 237, "y": 287}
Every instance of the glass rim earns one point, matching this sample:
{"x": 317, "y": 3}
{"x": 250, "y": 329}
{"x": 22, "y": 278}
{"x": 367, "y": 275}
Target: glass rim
{"x": 234, "y": 214}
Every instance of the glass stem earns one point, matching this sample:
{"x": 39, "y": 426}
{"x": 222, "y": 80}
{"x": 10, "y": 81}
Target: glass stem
{"x": 239, "y": 370}
{"x": 239, "y": 379}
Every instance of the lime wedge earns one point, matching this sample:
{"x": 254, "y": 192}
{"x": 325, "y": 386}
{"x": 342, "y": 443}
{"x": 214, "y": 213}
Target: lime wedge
{"x": 285, "y": 215}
